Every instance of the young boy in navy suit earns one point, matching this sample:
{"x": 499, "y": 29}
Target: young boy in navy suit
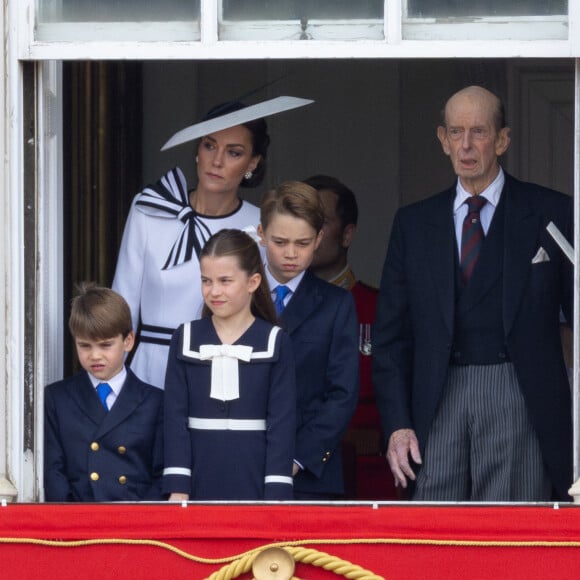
{"x": 321, "y": 321}
{"x": 103, "y": 427}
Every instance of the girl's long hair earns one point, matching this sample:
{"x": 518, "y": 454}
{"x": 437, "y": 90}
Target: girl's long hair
{"x": 243, "y": 248}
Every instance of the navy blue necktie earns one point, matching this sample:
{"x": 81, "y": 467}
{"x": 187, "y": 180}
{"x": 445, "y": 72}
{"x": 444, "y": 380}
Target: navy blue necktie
{"x": 281, "y": 293}
{"x": 104, "y": 390}
{"x": 471, "y": 237}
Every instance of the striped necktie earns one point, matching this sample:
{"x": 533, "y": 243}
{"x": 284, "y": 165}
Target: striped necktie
{"x": 471, "y": 237}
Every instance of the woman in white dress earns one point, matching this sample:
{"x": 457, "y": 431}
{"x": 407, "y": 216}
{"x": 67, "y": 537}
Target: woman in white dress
{"x": 158, "y": 267}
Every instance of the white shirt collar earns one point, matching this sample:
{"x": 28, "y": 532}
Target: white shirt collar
{"x": 116, "y": 383}
{"x": 492, "y": 192}
{"x": 292, "y": 284}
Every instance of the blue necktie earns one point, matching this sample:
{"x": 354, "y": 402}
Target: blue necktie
{"x": 104, "y": 390}
{"x": 281, "y": 293}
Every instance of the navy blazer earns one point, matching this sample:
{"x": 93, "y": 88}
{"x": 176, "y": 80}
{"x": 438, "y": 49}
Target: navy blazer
{"x": 413, "y": 332}
{"x": 94, "y": 455}
{"x": 321, "y": 321}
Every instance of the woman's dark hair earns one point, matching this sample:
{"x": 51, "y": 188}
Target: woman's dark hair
{"x": 260, "y": 139}
{"x": 244, "y": 249}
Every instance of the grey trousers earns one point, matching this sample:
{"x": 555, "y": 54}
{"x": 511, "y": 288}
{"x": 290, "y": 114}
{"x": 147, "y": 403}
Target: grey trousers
{"x": 481, "y": 445}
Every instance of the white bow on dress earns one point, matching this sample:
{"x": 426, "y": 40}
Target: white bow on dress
{"x": 225, "y": 381}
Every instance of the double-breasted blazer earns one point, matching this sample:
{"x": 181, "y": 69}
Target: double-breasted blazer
{"x": 94, "y": 455}
{"x": 414, "y": 328}
{"x": 321, "y": 321}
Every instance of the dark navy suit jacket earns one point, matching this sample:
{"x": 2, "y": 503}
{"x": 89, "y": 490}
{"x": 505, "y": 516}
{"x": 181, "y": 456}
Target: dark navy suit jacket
{"x": 413, "y": 332}
{"x": 321, "y": 321}
{"x": 94, "y": 455}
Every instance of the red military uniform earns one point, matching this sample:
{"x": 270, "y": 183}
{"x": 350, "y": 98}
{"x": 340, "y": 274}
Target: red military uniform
{"x": 367, "y": 473}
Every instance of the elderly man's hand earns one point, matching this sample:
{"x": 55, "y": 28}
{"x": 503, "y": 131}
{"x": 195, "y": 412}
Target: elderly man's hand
{"x": 403, "y": 443}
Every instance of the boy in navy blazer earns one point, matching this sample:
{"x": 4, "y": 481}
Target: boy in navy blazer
{"x": 103, "y": 427}
{"x": 321, "y": 321}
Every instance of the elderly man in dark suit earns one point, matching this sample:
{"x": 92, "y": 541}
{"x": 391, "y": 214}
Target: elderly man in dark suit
{"x": 468, "y": 366}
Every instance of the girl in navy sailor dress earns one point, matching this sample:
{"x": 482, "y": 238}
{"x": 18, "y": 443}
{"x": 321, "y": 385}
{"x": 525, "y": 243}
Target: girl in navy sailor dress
{"x": 230, "y": 393}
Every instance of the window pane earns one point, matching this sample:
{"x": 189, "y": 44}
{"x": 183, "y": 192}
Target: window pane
{"x": 461, "y": 8}
{"x": 302, "y": 20}
{"x": 117, "y": 10}
{"x": 128, "y": 20}
{"x": 485, "y": 20}
{"x": 297, "y": 9}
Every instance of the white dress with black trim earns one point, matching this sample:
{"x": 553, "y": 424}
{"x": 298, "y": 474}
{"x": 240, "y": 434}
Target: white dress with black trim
{"x": 230, "y": 414}
{"x": 158, "y": 267}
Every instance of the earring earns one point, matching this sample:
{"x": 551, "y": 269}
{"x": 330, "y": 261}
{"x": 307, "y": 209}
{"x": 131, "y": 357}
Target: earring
{"x": 197, "y": 159}
{"x": 248, "y": 175}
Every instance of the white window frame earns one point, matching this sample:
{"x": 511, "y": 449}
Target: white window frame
{"x": 576, "y": 321}
{"x": 169, "y": 31}
{"x": 20, "y": 45}
{"x": 494, "y": 28}
{"x": 392, "y": 45}
{"x": 292, "y": 30}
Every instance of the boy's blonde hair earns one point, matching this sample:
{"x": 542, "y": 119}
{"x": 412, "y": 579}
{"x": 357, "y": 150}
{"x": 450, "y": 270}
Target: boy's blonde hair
{"x": 98, "y": 313}
{"x": 296, "y": 199}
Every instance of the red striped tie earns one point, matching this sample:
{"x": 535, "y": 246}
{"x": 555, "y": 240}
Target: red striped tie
{"x": 471, "y": 237}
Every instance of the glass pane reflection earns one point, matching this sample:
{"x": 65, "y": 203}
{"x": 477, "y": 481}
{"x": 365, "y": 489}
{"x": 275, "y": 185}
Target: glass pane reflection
{"x": 481, "y": 8}
{"x": 52, "y": 11}
{"x": 301, "y": 9}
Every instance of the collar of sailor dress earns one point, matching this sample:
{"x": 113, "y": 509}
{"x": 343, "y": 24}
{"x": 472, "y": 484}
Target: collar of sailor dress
{"x": 225, "y": 382}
